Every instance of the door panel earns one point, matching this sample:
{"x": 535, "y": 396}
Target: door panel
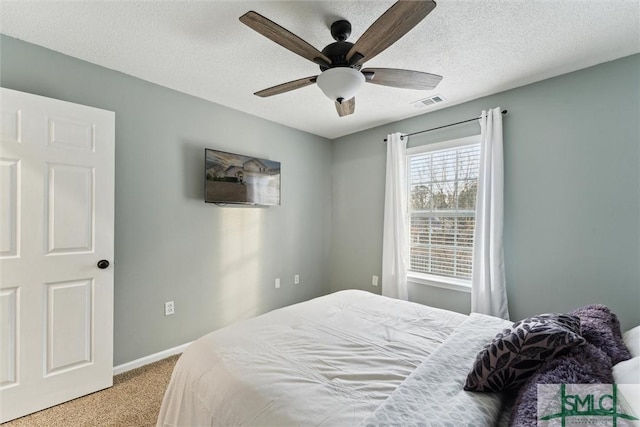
{"x": 71, "y": 134}
{"x": 56, "y": 306}
{"x": 69, "y": 329}
{"x": 70, "y": 209}
{"x": 9, "y": 207}
{"x": 10, "y": 124}
{"x": 8, "y": 336}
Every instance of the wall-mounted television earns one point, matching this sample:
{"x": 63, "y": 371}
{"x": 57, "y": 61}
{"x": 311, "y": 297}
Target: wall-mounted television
{"x": 235, "y": 178}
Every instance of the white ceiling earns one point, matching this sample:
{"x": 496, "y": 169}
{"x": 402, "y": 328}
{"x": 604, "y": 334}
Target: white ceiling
{"x": 201, "y": 48}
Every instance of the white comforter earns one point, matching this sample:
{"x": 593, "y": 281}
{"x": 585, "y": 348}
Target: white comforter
{"x": 331, "y": 361}
{"x": 433, "y": 394}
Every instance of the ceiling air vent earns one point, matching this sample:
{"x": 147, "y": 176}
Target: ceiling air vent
{"x": 435, "y": 99}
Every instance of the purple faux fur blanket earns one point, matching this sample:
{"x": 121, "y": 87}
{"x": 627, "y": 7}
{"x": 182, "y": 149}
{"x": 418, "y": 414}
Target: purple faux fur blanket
{"x": 600, "y": 327}
{"x": 586, "y": 364}
{"x": 591, "y": 363}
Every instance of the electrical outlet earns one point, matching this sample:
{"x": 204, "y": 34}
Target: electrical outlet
{"x": 278, "y": 283}
{"x": 296, "y": 279}
{"x": 374, "y": 280}
{"x": 169, "y": 308}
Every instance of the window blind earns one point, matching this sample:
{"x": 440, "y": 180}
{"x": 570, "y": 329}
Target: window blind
{"x": 442, "y": 201}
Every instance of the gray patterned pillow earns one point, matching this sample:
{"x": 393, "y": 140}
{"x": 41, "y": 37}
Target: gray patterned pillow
{"x": 517, "y": 352}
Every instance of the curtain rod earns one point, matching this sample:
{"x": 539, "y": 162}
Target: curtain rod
{"x": 440, "y": 127}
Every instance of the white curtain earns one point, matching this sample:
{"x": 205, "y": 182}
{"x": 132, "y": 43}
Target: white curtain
{"x": 394, "y": 240}
{"x": 488, "y": 292}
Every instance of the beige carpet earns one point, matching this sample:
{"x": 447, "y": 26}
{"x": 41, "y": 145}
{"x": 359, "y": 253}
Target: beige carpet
{"x": 134, "y": 400}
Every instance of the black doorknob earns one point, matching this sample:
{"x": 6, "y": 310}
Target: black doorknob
{"x": 103, "y": 263}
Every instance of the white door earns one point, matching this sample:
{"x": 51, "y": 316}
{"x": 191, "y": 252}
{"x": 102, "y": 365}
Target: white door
{"x": 56, "y": 224}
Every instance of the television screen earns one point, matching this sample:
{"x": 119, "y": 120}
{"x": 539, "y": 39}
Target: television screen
{"x": 234, "y": 178}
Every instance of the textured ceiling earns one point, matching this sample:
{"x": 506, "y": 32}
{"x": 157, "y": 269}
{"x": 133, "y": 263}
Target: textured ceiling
{"x": 201, "y": 48}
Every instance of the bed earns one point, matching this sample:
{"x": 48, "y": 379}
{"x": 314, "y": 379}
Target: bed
{"x": 351, "y": 358}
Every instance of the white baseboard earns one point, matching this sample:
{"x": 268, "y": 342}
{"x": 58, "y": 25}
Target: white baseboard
{"x": 148, "y": 359}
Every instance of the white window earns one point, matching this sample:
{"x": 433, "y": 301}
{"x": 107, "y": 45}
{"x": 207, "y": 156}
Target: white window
{"x": 443, "y": 182}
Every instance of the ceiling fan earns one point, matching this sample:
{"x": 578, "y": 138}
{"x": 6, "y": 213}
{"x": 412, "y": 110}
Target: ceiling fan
{"x": 341, "y": 62}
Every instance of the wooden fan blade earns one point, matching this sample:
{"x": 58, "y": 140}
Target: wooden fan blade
{"x": 405, "y": 79}
{"x": 347, "y": 107}
{"x": 286, "y": 87}
{"x": 283, "y": 37}
{"x": 397, "y": 21}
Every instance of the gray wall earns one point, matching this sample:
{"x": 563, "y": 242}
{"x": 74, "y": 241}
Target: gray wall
{"x": 572, "y": 190}
{"x": 217, "y": 264}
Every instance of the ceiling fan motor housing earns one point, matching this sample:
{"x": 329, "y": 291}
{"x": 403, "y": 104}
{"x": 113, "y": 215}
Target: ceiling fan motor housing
{"x": 337, "y": 53}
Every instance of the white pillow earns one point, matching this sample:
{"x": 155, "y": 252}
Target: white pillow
{"x": 626, "y": 375}
{"x": 627, "y": 371}
{"x": 631, "y": 395}
{"x": 631, "y": 339}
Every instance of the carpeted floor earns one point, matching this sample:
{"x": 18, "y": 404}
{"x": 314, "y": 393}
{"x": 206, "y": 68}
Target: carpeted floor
{"x": 134, "y": 400}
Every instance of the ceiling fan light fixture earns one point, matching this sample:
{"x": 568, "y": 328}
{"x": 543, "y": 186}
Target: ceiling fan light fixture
{"x": 340, "y": 83}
